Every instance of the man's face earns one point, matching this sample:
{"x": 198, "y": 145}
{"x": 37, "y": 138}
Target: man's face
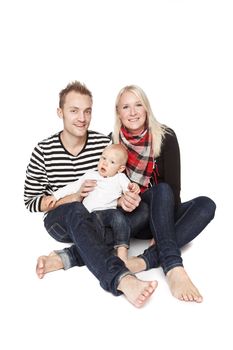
{"x": 76, "y": 114}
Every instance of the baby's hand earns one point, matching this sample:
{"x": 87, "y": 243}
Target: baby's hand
{"x": 133, "y": 187}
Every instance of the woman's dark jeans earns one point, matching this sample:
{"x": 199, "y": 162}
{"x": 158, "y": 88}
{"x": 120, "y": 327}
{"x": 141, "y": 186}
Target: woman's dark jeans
{"x": 172, "y": 229}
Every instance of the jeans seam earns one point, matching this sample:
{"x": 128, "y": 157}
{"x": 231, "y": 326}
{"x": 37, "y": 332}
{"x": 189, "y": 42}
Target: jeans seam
{"x": 65, "y": 259}
{"x": 117, "y": 245}
{"x": 146, "y": 261}
{"x": 126, "y": 273}
{"x": 168, "y": 268}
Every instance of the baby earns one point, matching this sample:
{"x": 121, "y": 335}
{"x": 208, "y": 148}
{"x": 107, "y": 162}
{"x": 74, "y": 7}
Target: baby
{"x": 102, "y": 201}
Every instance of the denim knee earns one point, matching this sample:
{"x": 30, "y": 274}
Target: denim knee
{"x": 163, "y": 189}
{"x": 78, "y": 207}
{"x": 207, "y": 206}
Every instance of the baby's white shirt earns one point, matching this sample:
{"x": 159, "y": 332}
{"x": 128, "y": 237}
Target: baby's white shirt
{"x": 105, "y": 194}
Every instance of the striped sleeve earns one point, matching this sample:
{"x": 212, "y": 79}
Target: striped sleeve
{"x": 36, "y": 183}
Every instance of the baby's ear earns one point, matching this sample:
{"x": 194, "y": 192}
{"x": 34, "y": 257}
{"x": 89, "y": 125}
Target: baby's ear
{"x": 121, "y": 169}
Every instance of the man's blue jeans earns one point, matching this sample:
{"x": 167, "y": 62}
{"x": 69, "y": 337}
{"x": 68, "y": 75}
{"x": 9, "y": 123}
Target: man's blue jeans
{"x": 155, "y": 217}
{"x": 73, "y": 223}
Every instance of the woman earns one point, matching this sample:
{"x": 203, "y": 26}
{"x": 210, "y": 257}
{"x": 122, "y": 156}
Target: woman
{"x": 154, "y": 163}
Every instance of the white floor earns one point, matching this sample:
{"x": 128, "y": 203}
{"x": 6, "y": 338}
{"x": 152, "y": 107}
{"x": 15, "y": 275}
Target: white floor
{"x": 180, "y": 53}
{"x": 69, "y": 308}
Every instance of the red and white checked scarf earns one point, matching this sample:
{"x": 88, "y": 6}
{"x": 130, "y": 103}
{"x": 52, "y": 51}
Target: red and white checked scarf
{"x": 140, "y": 162}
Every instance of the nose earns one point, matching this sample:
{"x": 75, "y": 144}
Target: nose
{"x": 132, "y": 110}
{"x": 81, "y": 116}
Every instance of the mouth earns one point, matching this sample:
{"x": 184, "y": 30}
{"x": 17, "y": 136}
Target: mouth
{"x": 80, "y": 126}
{"x": 103, "y": 170}
{"x": 136, "y": 119}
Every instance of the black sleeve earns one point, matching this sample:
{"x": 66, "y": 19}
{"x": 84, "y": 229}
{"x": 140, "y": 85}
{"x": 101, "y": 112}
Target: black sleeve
{"x": 170, "y": 159}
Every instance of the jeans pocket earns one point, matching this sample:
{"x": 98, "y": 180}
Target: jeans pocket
{"x": 59, "y": 233}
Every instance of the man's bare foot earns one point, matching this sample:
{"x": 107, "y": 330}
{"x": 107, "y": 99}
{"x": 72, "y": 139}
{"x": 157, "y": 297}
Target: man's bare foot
{"x": 135, "y": 264}
{"x": 181, "y": 285}
{"x": 136, "y": 291}
{"x": 48, "y": 263}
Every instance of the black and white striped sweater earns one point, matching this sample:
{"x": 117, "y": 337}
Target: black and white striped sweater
{"x": 51, "y": 166}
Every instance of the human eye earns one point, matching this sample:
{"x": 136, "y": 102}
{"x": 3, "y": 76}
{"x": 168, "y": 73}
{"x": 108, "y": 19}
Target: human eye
{"x": 88, "y": 112}
{"x": 125, "y": 107}
{"x": 73, "y": 110}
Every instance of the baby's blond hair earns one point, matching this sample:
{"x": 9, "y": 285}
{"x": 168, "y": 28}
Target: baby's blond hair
{"x": 121, "y": 150}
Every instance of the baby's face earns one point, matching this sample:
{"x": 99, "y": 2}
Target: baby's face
{"x": 110, "y": 163}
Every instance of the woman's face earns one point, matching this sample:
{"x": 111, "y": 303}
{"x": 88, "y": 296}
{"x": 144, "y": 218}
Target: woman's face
{"x": 132, "y": 113}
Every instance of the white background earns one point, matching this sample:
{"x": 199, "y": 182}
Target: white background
{"x": 180, "y": 53}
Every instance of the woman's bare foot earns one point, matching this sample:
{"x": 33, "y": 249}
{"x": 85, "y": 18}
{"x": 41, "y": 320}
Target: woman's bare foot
{"x": 122, "y": 253}
{"x": 136, "y": 291}
{"x": 48, "y": 263}
{"x": 152, "y": 242}
{"x": 181, "y": 285}
{"x": 135, "y": 264}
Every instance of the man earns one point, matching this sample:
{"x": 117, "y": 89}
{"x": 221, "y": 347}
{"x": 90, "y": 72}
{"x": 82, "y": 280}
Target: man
{"x": 63, "y": 158}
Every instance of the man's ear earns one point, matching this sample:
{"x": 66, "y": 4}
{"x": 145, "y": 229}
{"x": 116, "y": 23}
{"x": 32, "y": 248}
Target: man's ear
{"x": 121, "y": 169}
{"x": 59, "y": 113}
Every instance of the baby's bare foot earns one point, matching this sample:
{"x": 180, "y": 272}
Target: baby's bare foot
{"x": 137, "y": 291}
{"x": 135, "y": 264}
{"x": 181, "y": 285}
{"x": 48, "y": 263}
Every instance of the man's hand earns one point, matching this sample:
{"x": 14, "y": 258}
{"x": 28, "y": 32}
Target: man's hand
{"x": 129, "y": 201}
{"x": 49, "y": 201}
{"x": 87, "y": 186}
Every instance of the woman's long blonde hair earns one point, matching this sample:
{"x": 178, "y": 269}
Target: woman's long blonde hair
{"x": 157, "y": 129}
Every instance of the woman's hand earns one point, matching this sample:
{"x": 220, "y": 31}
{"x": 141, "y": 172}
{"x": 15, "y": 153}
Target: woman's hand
{"x": 129, "y": 201}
